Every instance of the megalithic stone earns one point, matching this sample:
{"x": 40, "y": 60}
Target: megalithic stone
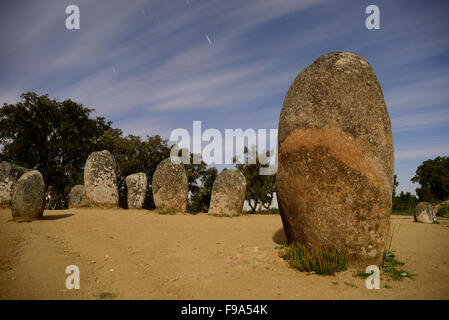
{"x": 336, "y": 160}
{"x": 100, "y": 180}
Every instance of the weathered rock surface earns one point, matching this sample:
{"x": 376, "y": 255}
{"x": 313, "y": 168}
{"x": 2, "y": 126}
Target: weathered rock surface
{"x": 424, "y": 213}
{"x": 335, "y": 161}
{"x": 100, "y": 180}
{"x": 27, "y": 201}
{"x": 9, "y": 174}
{"x": 77, "y": 197}
{"x": 170, "y": 186}
{"x": 137, "y": 189}
{"x": 228, "y": 193}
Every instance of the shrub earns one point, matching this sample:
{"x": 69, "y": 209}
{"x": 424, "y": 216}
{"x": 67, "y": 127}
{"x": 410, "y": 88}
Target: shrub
{"x": 318, "y": 260}
{"x": 443, "y": 210}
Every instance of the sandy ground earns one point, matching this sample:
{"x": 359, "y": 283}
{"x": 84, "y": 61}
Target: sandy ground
{"x": 139, "y": 254}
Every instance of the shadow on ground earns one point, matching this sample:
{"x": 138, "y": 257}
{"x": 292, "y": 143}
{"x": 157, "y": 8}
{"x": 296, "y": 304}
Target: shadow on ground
{"x": 57, "y": 216}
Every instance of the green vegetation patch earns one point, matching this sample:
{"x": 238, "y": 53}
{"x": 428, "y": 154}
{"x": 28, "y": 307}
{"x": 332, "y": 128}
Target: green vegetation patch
{"x": 107, "y": 295}
{"x": 443, "y": 210}
{"x": 166, "y": 211}
{"x": 392, "y": 267}
{"x": 320, "y": 261}
{"x": 362, "y": 274}
{"x": 350, "y": 285}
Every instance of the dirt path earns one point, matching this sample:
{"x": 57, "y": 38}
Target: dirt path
{"x": 139, "y": 254}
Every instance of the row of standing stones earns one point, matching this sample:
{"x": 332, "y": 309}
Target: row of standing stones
{"x": 169, "y": 187}
{"x": 335, "y": 167}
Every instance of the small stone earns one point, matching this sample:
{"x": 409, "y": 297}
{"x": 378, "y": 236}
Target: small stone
{"x": 137, "y": 189}
{"x": 424, "y": 213}
{"x": 228, "y": 193}
{"x": 100, "y": 180}
{"x": 170, "y": 186}
{"x": 28, "y": 196}
{"x": 77, "y": 197}
{"x": 9, "y": 174}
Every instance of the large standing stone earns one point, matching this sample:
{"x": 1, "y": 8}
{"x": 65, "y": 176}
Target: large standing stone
{"x": 228, "y": 193}
{"x": 137, "y": 189}
{"x": 100, "y": 180}
{"x": 170, "y": 186}
{"x": 335, "y": 162}
{"x": 28, "y": 196}
{"x": 9, "y": 174}
{"x": 424, "y": 213}
{"x": 77, "y": 197}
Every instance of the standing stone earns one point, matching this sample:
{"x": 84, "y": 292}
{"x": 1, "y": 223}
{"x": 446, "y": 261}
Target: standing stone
{"x": 100, "y": 180}
{"x": 77, "y": 198}
{"x": 9, "y": 174}
{"x": 137, "y": 189}
{"x": 424, "y": 213}
{"x": 335, "y": 162}
{"x": 28, "y": 196}
{"x": 228, "y": 193}
{"x": 170, "y": 186}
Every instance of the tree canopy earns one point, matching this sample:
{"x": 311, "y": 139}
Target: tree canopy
{"x": 57, "y": 137}
{"x": 259, "y": 188}
{"x": 433, "y": 177}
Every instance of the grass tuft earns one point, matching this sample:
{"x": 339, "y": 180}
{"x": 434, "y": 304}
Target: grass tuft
{"x": 362, "y": 274}
{"x": 317, "y": 260}
{"x": 392, "y": 267}
{"x": 350, "y": 285}
{"x": 107, "y": 295}
{"x": 166, "y": 211}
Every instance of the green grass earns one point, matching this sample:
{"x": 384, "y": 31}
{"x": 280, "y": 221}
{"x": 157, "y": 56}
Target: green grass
{"x": 409, "y": 212}
{"x": 392, "y": 267}
{"x": 435, "y": 222}
{"x": 350, "y": 284}
{"x": 388, "y": 287}
{"x": 166, "y": 211}
{"x": 107, "y": 295}
{"x": 320, "y": 261}
{"x": 265, "y": 211}
{"x": 21, "y": 221}
{"x": 361, "y": 274}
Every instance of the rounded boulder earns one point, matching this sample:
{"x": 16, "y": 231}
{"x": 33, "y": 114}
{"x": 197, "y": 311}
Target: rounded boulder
{"x": 228, "y": 193}
{"x": 335, "y": 162}
{"x": 170, "y": 186}
{"x": 136, "y": 185}
{"x": 424, "y": 212}
{"x": 28, "y": 196}
{"x": 100, "y": 180}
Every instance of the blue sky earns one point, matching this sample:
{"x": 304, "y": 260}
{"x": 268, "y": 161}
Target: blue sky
{"x": 148, "y": 65}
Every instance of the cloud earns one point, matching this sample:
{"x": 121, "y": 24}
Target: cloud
{"x": 422, "y": 152}
{"x": 420, "y": 121}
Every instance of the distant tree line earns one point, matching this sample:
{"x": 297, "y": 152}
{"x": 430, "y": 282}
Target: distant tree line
{"x": 433, "y": 178}
{"x": 57, "y": 137}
